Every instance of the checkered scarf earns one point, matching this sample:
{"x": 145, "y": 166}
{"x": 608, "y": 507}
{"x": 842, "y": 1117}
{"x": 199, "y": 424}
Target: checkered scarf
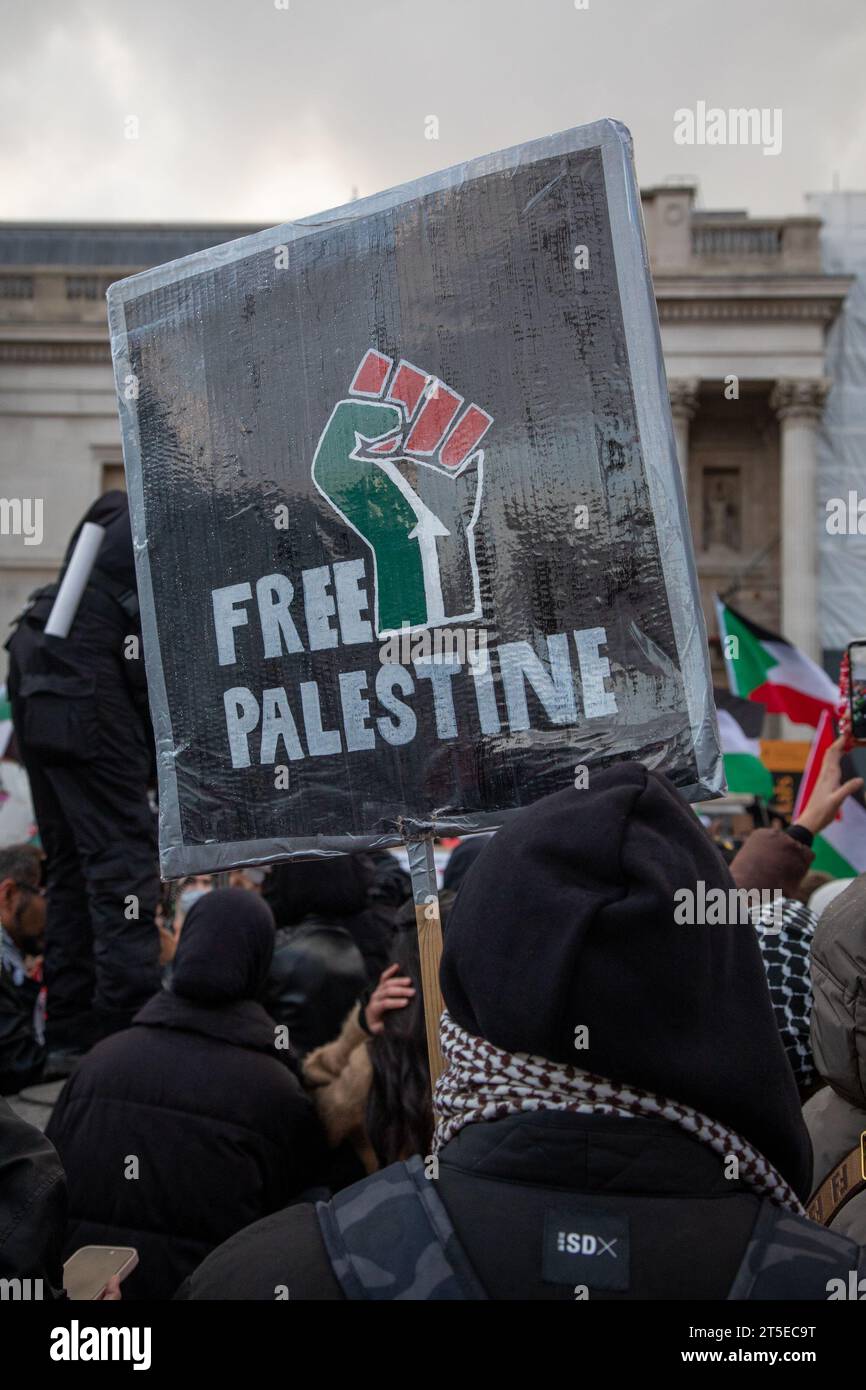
{"x": 786, "y": 948}
{"x": 481, "y": 1082}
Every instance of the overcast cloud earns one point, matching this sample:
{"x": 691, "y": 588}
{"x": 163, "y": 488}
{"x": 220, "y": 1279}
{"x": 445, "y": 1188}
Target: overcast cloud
{"x": 249, "y": 112}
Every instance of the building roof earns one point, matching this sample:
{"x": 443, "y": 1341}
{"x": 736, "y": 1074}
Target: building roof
{"x": 108, "y": 244}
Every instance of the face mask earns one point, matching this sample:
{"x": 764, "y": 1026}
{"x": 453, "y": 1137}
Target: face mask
{"x": 190, "y": 896}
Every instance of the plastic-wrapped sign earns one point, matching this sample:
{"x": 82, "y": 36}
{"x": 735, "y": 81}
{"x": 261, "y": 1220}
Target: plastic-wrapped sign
{"x": 412, "y": 547}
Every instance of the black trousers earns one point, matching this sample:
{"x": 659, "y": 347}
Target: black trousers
{"x": 88, "y": 756}
{"x": 101, "y": 942}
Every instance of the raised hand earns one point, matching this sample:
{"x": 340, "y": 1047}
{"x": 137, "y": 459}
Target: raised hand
{"x": 392, "y": 992}
{"x": 399, "y": 466}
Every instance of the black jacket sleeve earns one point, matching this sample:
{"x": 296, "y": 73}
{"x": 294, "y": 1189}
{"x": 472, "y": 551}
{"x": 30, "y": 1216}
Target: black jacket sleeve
{"x": 22, "y": 1055}
{"x": 32, "y": 1204}
{"x": 281, "y": 1257}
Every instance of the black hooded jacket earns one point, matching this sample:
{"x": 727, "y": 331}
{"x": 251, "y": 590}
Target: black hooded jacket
{"x": 565, "y": 920}
{"x": 189, "y": 1124}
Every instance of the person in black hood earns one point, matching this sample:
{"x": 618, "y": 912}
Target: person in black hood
{"x": 79, "y": 707}
{"x": 330, "y": 945}
{"x": 586, "y": 937}
{"x": 617, "y": 1118}
{"x": 191, "y": 1123}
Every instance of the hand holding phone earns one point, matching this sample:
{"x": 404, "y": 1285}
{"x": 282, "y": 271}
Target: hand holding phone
{"x": 829, "y": 791}
{"x": 88, "y": 1273}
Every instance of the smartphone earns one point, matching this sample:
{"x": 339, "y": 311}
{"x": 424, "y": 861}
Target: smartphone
{"x": 87, "y": 1272}
{"x": 857, "y": 690}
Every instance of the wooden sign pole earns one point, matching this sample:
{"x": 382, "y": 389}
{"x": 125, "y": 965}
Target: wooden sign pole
{"x": 422, "y": 868}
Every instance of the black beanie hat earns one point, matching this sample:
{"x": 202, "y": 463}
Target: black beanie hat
{"x": 567, "y": 919}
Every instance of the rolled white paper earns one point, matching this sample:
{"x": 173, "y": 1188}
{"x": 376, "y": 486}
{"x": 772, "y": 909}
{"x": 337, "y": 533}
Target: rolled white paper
{"x": 74, "y": 581}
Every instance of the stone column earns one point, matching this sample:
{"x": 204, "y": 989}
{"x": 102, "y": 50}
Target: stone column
{"x": 683, "y": 392}
{"x": 798, "y": 405}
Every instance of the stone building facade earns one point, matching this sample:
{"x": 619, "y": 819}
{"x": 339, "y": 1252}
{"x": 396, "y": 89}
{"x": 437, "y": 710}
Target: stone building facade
{"x": 744, "y": 309}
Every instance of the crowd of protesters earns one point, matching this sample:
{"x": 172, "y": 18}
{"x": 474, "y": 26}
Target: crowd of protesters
{"x": 265, "y": 1125}
{"x": 631, "y": 1106}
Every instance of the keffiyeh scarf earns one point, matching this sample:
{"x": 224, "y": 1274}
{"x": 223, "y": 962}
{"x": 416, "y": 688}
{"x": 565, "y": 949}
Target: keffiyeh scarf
{"x": 481, "y": 1082}
{"x": 786, "y": 948}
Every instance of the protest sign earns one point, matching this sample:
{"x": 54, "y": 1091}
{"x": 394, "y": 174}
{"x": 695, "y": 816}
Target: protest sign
{"x": 411, "y": 542}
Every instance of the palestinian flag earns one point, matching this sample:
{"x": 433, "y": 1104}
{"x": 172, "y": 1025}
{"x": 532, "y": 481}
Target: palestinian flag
{"x": 740, "y": 724}
{"x": 764, "y": 667}
{"x": 840, "y": 849}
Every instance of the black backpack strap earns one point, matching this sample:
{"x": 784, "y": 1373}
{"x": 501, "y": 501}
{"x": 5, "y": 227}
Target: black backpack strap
{"x": 791, "y": 1257}
{"x": 125, "y": 598}
{"x": 390, "y": 1237}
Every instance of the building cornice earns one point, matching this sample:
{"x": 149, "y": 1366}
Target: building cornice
{"x": 679, "y": 299}
{"x": 747, "y": 310}
{"x": 750, "y": 298}
{"x": 23, "y": 353}
{"x": 709, "y": 284}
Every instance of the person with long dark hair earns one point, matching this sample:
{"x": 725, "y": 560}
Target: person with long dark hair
{"x": 371, "y": 1085}
{"x": 399, "y": 1108}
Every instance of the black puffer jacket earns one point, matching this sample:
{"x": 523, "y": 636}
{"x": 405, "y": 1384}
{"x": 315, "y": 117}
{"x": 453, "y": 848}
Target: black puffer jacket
{"x": 186, "y": 1126}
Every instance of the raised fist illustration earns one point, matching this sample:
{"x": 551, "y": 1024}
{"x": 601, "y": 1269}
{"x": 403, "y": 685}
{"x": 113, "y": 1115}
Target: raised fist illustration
{"x": 399, "y": 466}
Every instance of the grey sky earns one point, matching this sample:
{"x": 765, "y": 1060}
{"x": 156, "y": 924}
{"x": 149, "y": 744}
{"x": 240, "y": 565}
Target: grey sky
{"x": 253, "y": 113}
